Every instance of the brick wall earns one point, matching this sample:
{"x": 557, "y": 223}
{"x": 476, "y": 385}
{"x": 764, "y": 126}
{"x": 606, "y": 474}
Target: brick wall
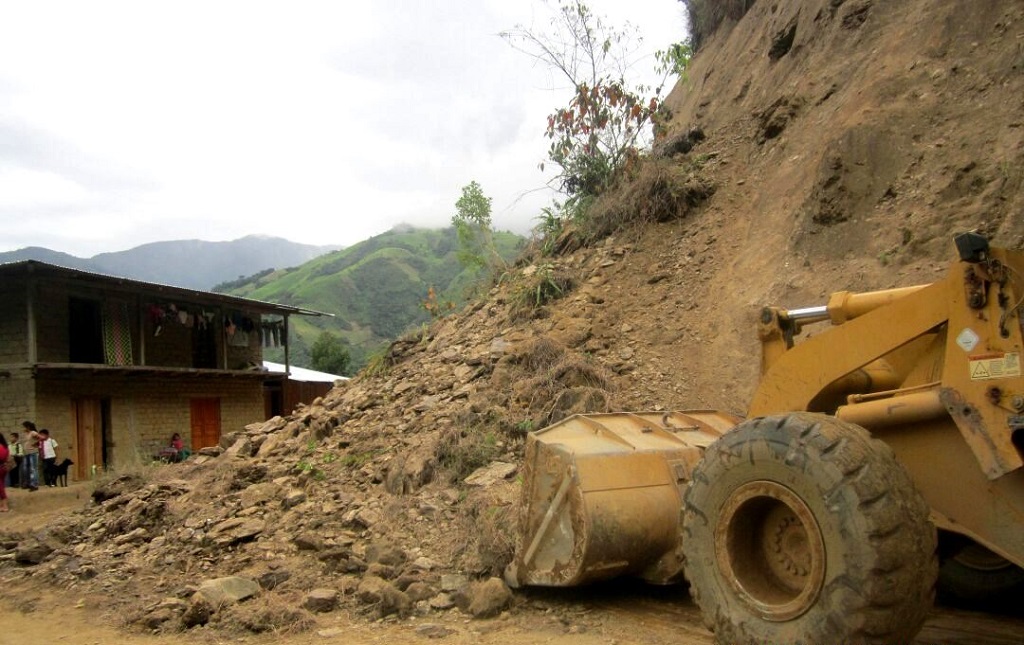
{"x": 145, "y": 411}
{"x": 241, "y": 357}
{"x": 13, "y": 325}
{"x": 51, "y": 315}
{"x": 171, "y": 348}
{"x": 17, "y": 401}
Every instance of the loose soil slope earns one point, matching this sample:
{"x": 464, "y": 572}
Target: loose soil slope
{"x": 841, "y": 157}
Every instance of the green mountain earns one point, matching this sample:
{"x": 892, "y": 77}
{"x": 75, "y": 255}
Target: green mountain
{"x": 375, "y": 289}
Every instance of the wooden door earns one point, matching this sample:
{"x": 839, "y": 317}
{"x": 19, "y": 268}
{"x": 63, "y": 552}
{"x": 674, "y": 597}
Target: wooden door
{"x": 205, "y": 423}
{"x": 87, "y": 415}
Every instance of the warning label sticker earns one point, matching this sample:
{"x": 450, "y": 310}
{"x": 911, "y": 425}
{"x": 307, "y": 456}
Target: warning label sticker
{"x": 992, "y": 366}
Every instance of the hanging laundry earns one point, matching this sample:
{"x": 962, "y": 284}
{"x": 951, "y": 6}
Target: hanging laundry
{"x": 117, "y": 336}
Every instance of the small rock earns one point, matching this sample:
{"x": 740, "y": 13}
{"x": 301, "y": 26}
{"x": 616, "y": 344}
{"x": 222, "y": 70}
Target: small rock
{"x": 441, "y": 602}
{"x": 390, "y": 556}
{"x": 321, "y": 600}
{"x": 492, "y": 473}
{"x": 388, "y": 600}
{"x": 381, "y": 570}
{"x": 236, "y": 530}
{"x": 32, "y": 552}
{"x": 138, "y": 535}
{"x": 453, "y": 582}
{"x": 259, "y": 494}
{"x": 242, "y": 447}
{"x": 271, "y": 579}
{"x": 167, "y": 610}
{"x": 198, "y": 612}
{"x": 418, "y": 591}
{"x": 293, "y": 498}
{"x": 308, "y": 542}
{"x": 433, "y": 630}
{"x": 488, "y": 598}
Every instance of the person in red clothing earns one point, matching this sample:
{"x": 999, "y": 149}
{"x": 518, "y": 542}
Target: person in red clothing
{"x": 4, "y": 453}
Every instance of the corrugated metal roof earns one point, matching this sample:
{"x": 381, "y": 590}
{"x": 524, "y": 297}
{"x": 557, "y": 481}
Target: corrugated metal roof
{"x": 303, "y": 374}
{"x": 29, "y": 267}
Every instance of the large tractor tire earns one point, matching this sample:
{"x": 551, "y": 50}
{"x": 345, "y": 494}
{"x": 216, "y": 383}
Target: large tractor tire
{"x": 804, "y": 529}
{"x": 975, "y": 577}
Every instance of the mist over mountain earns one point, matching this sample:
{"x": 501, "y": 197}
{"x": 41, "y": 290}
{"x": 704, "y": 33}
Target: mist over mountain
{"x": 194, "y": 264}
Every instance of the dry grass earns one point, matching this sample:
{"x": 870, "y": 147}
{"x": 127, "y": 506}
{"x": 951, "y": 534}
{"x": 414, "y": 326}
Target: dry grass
{"x": 530, "y": 293}
{"x": 460, "y": 451}
{"x": 660, "y": 190}
{"x": 488, "y": 526}
{"x": 267, "y": 614}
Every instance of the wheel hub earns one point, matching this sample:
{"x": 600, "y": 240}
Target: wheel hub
{"x": 770, "y": 550}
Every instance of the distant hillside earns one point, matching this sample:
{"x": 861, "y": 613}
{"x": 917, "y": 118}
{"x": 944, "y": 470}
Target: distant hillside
{"x": 194, "y": 264}
{"x": 375, "y": 288}
{"x": 50, "y": 257}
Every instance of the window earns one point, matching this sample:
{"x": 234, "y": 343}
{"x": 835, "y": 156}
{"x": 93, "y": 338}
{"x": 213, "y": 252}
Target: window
{"x": 85, "y": 331}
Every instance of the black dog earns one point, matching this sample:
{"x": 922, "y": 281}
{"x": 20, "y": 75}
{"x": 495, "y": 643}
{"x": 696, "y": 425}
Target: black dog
{"x": 60, "y": 472}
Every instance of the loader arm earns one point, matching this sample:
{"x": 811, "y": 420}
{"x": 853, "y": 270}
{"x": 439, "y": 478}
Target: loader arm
{"x": 975, "y": 377}
{"x": 948, "y": 356}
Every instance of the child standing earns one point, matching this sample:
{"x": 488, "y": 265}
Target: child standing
{"x": 16, "y": 449}
{"x": 48, "y": 450}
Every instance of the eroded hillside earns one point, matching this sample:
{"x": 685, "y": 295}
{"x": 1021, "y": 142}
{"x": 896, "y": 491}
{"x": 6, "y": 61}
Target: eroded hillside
{"x": 843, "y": 143}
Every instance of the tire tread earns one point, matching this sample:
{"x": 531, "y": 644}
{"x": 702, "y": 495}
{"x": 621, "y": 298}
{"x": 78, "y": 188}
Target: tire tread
{"x": 886, "y": 593}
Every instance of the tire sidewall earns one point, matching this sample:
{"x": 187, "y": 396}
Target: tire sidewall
{"x": 775, "y": 449}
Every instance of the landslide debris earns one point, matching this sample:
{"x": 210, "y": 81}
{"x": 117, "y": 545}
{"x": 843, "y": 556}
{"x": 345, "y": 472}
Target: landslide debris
{"x": 815, "y": 145}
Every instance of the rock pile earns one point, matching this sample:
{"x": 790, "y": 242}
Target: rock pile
{"x": 392, "y": 495}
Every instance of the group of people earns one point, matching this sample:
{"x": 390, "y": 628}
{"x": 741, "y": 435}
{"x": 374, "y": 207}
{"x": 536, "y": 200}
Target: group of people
{"x": 20, "y": 458}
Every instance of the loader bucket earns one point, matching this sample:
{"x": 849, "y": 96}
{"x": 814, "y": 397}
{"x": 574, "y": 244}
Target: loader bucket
{"x": 602, "y": 496}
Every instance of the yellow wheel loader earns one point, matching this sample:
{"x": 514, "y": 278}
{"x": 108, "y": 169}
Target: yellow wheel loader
{"x": 872, "y": 450}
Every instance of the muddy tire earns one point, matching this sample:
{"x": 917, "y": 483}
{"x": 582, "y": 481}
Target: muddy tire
{"x": 804, "y": 529}
{"x": 977, "y": 578}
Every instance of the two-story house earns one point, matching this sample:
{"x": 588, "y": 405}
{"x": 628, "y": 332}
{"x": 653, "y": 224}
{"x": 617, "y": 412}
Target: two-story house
{"x": 113, "y": 367}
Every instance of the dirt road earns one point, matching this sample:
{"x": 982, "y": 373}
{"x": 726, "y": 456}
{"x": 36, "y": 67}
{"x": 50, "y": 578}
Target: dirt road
{"x": 619, "y": 614}
{"x": 627, "y": 617}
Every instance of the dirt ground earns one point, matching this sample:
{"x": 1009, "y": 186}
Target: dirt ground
{"x": 617, "y": 614}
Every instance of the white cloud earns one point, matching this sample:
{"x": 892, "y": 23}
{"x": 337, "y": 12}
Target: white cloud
{"x": 123, "y": 123}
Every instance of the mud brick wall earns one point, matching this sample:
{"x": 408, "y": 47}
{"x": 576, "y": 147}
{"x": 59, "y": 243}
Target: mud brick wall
{"x": 13, "y": 325}
{"x": 171, "y": 348}
{"x": 145, "y": 412}
{"x": 17, "y": 402}
{"x": 249, "y": 355}
{"x": 51, "y": 314}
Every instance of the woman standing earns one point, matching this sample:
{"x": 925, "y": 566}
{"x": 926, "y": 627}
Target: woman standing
{"x": 30, "y": 443}
{"x": 4, "y": 452}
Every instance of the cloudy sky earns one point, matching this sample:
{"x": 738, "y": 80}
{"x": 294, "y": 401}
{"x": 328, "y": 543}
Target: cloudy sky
{"x": 129, "y": 122}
